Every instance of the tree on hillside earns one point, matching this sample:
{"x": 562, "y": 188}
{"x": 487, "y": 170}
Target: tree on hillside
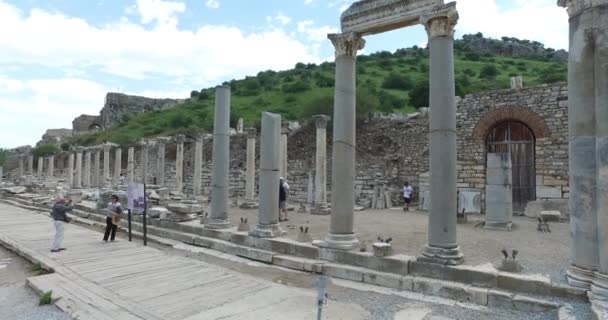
{"x": 488, "y": 71}
{"x": 398, "y": 81}
{"x": 419, "y": 96}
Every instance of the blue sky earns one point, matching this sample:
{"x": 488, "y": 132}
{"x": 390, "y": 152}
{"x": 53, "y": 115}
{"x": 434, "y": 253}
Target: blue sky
{"x": 60, "y": 57}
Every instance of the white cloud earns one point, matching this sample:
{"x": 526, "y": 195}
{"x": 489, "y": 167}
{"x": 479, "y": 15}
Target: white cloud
{"x": 163, "y": 12}
{"x": 279, "y": 18}
{"x": 538, "y": 20}
{"x": 315, "y": 34}
{"x": 213, "y": 4}
{"x": 308, "y": 2}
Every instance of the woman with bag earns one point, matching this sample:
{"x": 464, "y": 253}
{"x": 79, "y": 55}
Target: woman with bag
{"x": 113, "y": 213}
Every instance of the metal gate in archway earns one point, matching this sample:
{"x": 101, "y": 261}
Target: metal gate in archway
{"x": 518, "y": 140}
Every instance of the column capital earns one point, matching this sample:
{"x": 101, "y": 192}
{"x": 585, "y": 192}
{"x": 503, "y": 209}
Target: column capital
{"x": 180, "y": 139}
{"x": 106, "y": 147}
{"x": 441, "y": 23}
{"x": 575, "y": 7}
{"x": 321, "y": 121}
{"x": 252, "y": 133}
{"x": 346, "y": 44}
{"x": 142, "y": 144}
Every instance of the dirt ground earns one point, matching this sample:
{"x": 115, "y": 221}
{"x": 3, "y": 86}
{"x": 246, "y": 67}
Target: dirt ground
{"x": 539, "y": 253}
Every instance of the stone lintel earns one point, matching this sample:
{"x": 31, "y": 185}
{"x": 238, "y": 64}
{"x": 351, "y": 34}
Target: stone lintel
{"x": 368, "y": 17}
{"x": 574, "y": 7}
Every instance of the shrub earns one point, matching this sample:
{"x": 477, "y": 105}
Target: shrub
{"x": 389, "y": 102}
{"x": 45, "y": 298}
{"x": 419, "y": 96}
{"x": 398, "y": 81}
{"x": 194, "y": 94}
{"x": 472, "y": 56}
{"x": 45, "y": 150}
{"x": 488, "y": 71}
{"x": 298, "y": 86}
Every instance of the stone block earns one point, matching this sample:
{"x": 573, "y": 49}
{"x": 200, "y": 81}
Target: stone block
{"x": 524, "y": 283}
{"x": 500, "y": 299}
{"x": 510, "y": 266}
{"x": 344, "y": 272}
{"x": 478, "y": 296}
{"x": 157, "y": 212}
{"x": 470, "y": 201}
{"x": 302, "y": 264}
{"x": 551, "y": 215}
{"x": 528, "y": 304}
{"x": 440, "y": 288}
{"x": 253, "y": 254}
{"x": 389, "y": 280}
{"x": 463, "y": 273}
{"x": 543, "y": 192}
{"x": 382, "y": 249}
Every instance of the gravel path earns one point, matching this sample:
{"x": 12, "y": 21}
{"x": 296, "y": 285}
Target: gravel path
{"x": 17, "y": 301}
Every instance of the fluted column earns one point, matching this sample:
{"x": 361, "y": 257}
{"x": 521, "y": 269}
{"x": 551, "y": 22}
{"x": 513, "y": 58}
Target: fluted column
{"x": 144, "y": 162}
{"x": 51, "y": 166}
{"x": 179, "y": 163}
{"x": 130, "y": 164}
{"x": 40, "y": 166}
{"x": 442, "y": 245}
{"x": 160, "y": 162}
{"x": 106, "y": 164}
{"x": 78, "y": 175}
{"x": 71, "y": 169}
{"x": 198, "y": 165}
{"x": 588, "y": 147}
{"x": 268, "y": 215}
{"x": 96, "y": 175}
{"x": 341, "y": 229}
{"x": 218, "y": 219}
{"x": 21, "y": 166}
{"x": 321, "y": 166}
{"x": 250, "y": 165}
{"x": 117, "y": 165}
{"x": 86, "y": 178}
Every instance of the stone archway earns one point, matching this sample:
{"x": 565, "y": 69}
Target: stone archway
{"x": 531, "y": 119}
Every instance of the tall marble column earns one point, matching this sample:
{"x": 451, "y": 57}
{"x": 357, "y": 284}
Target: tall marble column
{"x": 268, "y": 215}
{"x": 198, "y": 166}
{"x": 51, "y": 166}
{"x": 130, "y": 164}
{"x": 179, "y": 163}
{"x": 283, "y": 152}
{"x": 21, "y": 166}
{"x": 144, "y": 162}
{"x": 1, "y": 175}
{"x": 341, "y": 229}
{"x": 106, "y": 164}
{"x": 71, "y": 170}
{"x": 40, "y": 166}
{"x": 30, "y": 164}
{"x": 160, "y": 162}
{"x": 442, "y": 245}
{"x": 96, "y": 175}
{"x": 117, "y": 165}
{"x": 250, "y": 170}
{"x": 78, "y": 176}
{"x": 321, "y": 167}
{"x": 218, "y": 219}
{"x": 588, "y": 149}
{"x": 86, "y": 178}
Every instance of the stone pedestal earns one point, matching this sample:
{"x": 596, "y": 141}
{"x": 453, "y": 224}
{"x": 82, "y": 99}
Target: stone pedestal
{"x": 40, "y": 166}
{"x": 499, "y": 192}
{"x": 96, "y": 175}
{"x": 179, "y": 164}
{"x": 131, "y": 165}
{"x": 268, "y": 215}
{"x": 320, "y": 206}
{"x": 198, "y": 166}
{"x": 71, "y": 170}
{"x": 250, "y": 202}
{"x": 218, "y": 217}
{"x": 160, "y": 163}
{"x": 86, "y": 177}
{"x": 442, "y": 246}
{"x": 117, "y": 166}
{"x": 239, "y": 126}
{"x": 106, "y": 165}
{"x": 30, "y": 165}
{"x": 78, "y": 177}
{"x": 341, "y": 229}
{"x": 51, "y": 166}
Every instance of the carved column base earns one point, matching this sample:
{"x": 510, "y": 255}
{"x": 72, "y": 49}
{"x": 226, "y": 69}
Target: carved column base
{"x": 321, "y": 210}
{"x": 505, "y": 226}
{"x": 579, "y": 277}
{"x": 267, "y": 231}
{"x": 338, "y": 241}
{"x": 445, "y": 256}
{"x": 217, "y": 224}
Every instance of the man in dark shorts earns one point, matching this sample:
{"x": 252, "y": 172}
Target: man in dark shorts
{"x": 407, "y": 196}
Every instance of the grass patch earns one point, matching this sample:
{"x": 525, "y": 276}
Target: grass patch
{"x": 45, "y": 298}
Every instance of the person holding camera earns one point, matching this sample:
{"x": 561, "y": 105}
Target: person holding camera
{"x": 113, "y": 214}
{"x": 60, "y": 218}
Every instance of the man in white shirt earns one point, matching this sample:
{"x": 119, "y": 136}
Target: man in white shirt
{"x": 407, "y": 196}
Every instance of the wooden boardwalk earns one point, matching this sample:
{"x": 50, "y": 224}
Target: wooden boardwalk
{"x": 124, "y": 280}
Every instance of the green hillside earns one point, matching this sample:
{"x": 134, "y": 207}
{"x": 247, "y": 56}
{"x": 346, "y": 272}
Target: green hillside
{"x": 386, "y": 82}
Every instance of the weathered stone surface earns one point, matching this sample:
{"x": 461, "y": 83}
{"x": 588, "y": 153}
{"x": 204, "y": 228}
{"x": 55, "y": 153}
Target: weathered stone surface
{"x": 119, "y": 105}
{"x": 15, "y": 190}
{"x": 534, "y": 208}
{"x": 182, "y": 208}
{"x": 158, "y": 212}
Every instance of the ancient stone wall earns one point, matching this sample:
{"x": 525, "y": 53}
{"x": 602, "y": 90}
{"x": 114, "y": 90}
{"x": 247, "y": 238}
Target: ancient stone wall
{"x": 55, "y": 136}
{"x": 118, "y": 105}
{"x": 85, "y": 123}
{"x": 543, "y": 109}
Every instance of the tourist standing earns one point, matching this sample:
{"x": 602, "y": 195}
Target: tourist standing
{"x": 114, "y": 209}
{"x": 60, "y": 218}
{"x": 283, "y": 194}
{"x": 407, "y": 196}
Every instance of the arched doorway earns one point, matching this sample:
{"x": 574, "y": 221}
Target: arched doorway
{"x": 518, "y": 140}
